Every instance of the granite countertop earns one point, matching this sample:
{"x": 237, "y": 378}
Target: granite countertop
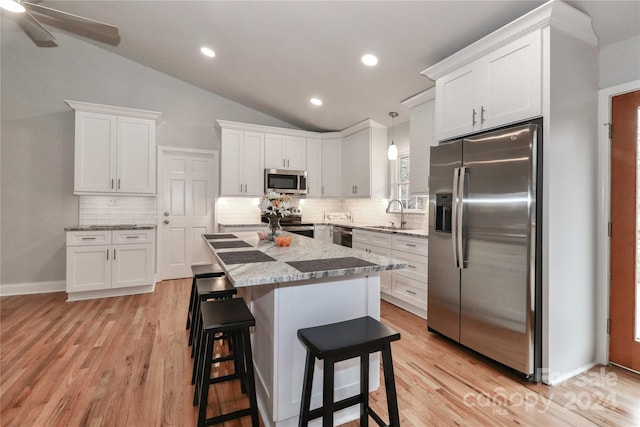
{"x": 244, "y": 266}
{"x": 112, "y": 227}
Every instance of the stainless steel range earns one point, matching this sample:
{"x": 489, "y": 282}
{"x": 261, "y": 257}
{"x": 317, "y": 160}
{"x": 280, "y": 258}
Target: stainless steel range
{"x": 294, "y": 224}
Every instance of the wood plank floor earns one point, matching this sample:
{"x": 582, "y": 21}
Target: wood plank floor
{"x": 125, "y": 362}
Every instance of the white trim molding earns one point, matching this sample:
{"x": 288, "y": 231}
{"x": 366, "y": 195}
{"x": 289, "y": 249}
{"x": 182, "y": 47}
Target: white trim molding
{"x": 31, "y": 288}
{"x": 604, "y": 205}
{"x": 110, "y": 109}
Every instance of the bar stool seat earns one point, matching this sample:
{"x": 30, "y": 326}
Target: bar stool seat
{"x": 200, "y": 271}
{"x": 214, "y": 288}
{"x": 231, "y": 317}
{"x": 341, "y": 341}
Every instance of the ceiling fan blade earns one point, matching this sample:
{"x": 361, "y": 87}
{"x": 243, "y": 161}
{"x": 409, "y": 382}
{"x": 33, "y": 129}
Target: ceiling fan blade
{"x": 94, "y": 26}
{"x": 39, "y": 34}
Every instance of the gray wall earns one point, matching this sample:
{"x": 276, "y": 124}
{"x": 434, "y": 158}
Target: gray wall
{"x": 38, "y": 137}
{"x": 620, "y": 62}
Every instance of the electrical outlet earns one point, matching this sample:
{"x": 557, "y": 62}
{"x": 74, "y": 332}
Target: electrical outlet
{"x": 113, "y": 201}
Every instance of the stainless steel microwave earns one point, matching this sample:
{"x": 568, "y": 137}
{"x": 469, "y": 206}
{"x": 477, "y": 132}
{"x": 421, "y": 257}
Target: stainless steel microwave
{"x": 285, "y": 181}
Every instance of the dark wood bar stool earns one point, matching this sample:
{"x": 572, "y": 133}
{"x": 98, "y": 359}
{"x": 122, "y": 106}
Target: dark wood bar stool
{"x": 341, "y": 341}
{"x": 211, "y": 288}
{"x": 200, "y": 271}
{"x": 232, "y": 318}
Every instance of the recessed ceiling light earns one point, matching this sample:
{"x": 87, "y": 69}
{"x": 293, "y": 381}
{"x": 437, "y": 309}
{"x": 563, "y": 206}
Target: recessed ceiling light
{"x": 369, "y": 60}
{"x": 12, "y": 6}
{"x": 207, "y": 52}
{"x": 316, "y": 101}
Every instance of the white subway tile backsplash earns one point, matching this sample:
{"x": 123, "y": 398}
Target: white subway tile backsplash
{"x": 110, "y": 210}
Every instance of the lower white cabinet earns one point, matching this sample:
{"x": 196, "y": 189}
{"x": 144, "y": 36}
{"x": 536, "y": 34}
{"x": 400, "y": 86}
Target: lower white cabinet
{"x": 103, "y": 259}
{"x": 323, "y": 233}
{"x": 375, "y": 243}
{"x": 406, "y": 288}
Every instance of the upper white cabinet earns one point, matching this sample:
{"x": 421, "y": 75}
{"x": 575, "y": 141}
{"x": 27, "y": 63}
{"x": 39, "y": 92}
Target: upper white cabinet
{"x": 364, "y": 162}
{"x": 422, "y": 137}
{"x": 314, "y": 167}
{"x": 285, "y": 152}
{"x": 115, "y": 149}
{"x": 502, "y": 87}
{"x": 241, "y": 163}
{"x": 332, "y": 167}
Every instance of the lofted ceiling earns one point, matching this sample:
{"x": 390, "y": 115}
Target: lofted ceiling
{"x": 275, "y": 55}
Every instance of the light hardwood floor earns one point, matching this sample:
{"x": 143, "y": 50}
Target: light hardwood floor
{"x": 125, "y": 362}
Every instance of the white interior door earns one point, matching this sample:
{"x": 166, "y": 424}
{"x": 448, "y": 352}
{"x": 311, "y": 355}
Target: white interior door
{"x": 187, "y": 181}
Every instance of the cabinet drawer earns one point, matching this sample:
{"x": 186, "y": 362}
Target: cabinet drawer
{"x": 417, "y": 268}
{"x": 88, "y": 238}
{"x": 132, "y": 236}
{"x": 373, "y": 238}
{"x": 415, "y": 245}
{"x": 409, "y": 290}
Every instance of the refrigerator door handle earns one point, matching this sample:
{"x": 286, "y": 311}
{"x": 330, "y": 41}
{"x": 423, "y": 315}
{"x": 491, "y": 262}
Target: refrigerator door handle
{"x": 460, "y": 211}
{"x": 454, "y": 217}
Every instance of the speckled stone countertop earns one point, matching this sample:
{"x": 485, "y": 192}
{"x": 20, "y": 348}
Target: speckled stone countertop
{"x": 301, "y": 249}
{"x": 112, "y": 227}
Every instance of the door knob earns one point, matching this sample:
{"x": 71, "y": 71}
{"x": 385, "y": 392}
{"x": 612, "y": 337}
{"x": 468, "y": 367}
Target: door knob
{"x": 166, "y": 221}
{"x": 166, "y": 214}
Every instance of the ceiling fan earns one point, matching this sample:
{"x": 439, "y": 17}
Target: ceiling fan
{"x": 22, "y": 11}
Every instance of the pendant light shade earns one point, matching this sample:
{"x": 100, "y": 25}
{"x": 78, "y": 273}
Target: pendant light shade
{"x": 392, "y": 152}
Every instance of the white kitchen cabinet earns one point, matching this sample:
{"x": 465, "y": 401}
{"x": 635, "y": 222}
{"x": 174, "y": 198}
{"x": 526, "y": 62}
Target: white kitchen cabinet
{"x": 285, "y": 152}
{"x": 332, "y": 167}
{"x": 106, "y": 260}
{"x": 502, "y": 87}
{"x": 375, "y": 243}
{"x": 364, "y": 163}
{"x": 314, "y": 167}
{"x": 422, "y": 137}
{"x": 324, "y": 233}
{"x": 241, "y": 163}
{"x": 115, "y": 150}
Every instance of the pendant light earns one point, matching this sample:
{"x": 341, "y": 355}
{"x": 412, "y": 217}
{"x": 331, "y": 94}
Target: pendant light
{"x": 392, "y": 154}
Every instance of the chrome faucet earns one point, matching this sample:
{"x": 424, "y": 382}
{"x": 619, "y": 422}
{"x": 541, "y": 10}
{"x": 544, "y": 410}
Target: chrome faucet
{"x": 402, "y": 221}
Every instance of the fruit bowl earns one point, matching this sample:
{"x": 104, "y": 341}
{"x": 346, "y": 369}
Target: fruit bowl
{"x": 283, "y": 240}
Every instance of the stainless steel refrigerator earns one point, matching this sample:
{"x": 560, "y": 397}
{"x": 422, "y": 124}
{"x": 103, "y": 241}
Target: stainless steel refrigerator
{"x": 484, "y": 244}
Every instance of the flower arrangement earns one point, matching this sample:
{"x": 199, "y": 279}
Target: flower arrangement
{"x": 275, "y": 206}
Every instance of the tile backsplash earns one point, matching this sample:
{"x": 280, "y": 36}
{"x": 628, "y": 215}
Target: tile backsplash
{"x": 108, "y": 210}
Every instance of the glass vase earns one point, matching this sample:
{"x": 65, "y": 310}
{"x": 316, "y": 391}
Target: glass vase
{"x": 273, "y": 227}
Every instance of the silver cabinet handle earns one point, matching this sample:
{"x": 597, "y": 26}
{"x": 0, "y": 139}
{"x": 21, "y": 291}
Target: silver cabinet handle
{"x": 482, "y": 110}
{"x": 411, "y": 245}
{"x": 166, "y": 221}
{"x": 107, "y": 254}
{"x": 112, "y": 183}
{"x": 136, "y": 237}
{"x": 288, "y": 163}
{"x": 322, "y": 191}
{"x": 88, "y": 238}
{"x": 114, "y": 254}
{"x": 118, "y": 183}
{"x": 410, "y": 292}
{"x": 241, "y": 188}
{"x": 473, "y": 117}
{"x": 284, "y": 163}
{"x": 245, "y": 188}
{"x": 411, "y": 266}
{"x": 356, "y": 189}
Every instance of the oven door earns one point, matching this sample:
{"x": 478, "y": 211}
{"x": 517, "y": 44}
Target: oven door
{"x": 343, "y": 236}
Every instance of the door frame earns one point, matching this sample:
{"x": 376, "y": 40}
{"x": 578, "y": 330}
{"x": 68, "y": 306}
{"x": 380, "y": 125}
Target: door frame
{"x": 164, "y": 150}
{"x": 604, "y": 214}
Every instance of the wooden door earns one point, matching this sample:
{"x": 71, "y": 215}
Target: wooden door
{"x": 187, "y": 180}
{"x": 624, "y": 349}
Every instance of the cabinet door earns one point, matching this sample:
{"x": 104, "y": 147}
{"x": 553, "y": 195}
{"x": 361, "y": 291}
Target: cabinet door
{"x": 455, "y": 111}
{"x": 348, "y": 172}
{"x": 132, "y": 265}
{"x": 360, "y": 163}
{"x": 253, "y": 163}
{"x": 273, "y": 152}
{"x": 88, "y": 268}
{"x": 95, "y": 152}
{"x": 332, "y": 167}
{"x": 314, "y": 167}
{"x": 323, "y": 233}
{"x": 231, "y": 146}
{"x": 136, "y": 156}
{"x": 512, "y": 79}
{"x": 421, "y": 138}
{"x": 295, "y": 153}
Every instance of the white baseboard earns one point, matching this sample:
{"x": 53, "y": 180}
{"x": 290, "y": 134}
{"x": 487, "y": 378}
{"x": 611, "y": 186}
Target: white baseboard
{"x": 404, "y": 305}
{"x": 557, "y": 378}
{"x": 108, "y": 293}
{"x": 32, "y": 288}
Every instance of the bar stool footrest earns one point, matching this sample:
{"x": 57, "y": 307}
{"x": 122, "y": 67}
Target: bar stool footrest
{"x": 227, "y": 417}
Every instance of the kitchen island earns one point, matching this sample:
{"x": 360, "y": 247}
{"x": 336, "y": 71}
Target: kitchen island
{"x": 307, "y": 284}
